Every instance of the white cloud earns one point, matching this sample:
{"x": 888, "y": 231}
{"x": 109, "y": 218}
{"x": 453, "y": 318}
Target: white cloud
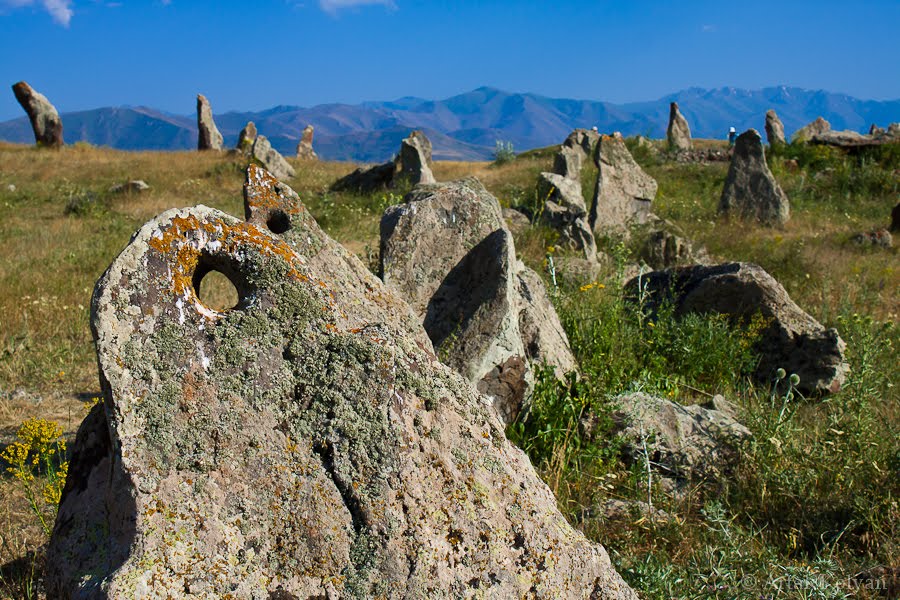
{"x": 60, "y": 10}
{"x": 709, "y": 28}
{"x": 334, "y": 6}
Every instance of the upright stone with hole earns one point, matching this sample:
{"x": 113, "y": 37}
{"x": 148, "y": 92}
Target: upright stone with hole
{"x": 306, "y": 443}
{"x": 45, "y": 121}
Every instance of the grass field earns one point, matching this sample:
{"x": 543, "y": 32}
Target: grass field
{"x": 816, "y": 500}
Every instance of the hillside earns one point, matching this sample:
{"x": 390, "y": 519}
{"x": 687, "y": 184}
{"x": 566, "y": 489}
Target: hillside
{"x": 466, "y": 126}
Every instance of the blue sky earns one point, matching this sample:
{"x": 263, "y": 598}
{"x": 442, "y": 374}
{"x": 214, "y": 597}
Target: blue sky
{"x": 256, "y": 54}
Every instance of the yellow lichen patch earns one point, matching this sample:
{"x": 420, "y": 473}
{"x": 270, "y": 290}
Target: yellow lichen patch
{"x": 264, "y": 196}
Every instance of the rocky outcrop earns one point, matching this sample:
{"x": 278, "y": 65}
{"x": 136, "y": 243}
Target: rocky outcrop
{"x": 623, "y": 192}
{"x": 45, "y": 121}
{"x": 684, "y": 444}
{"x": 208, "y": 137}
{"x": 791, "y": 339}
{"x": 774, "y": 129}
{"x": 302, "y": 444}
{"x": 269, "y": 157}
{"x": 564, "y": 210}
{"x": 447, "y": 251}
{"x": 678, "y": 133}
{"x": 751, "y": 191}
{"x": 246, "y": 138}
{"x": 415, "y": 159}
{"x": 817, "y": 127}
{"x": 305, "y": 146}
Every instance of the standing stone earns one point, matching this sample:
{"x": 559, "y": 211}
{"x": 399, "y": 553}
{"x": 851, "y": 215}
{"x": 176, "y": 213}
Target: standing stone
{"x": 246, "y": 138}
{"x": 414, "y": 158}
{"x": 678, "y": 133}
{"x": 774, "y": 129}
{"x": 790, "y": 339}
{"x": 447, "y": 251}
{"x": 567, "y": 162}
{"x": 623, "y": 192}
{"x": 751, "y": 191}
{"x": 45, "y": 121}
{"x": 287, "y": 448}
{"x": 817, "y": 127}
{"x": 270, "y": 158}
{"x": 208, "y": 137}
{"x": 305, "y": 147}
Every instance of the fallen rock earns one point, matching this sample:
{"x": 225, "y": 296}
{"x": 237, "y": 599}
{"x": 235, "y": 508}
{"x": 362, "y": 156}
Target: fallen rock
{"x": 246, "y": 139}
{"x": 305, "y": 146}
{"x": 683, "y": 443}
{"x": 208, "y": 137}
{"x": 791, "y": 340}
{"x": 564, "y": 211}
{"x": 270, "y": 159}
{"x": 414, "y": 159}
{"x": 562, "y": 191}
{"x": 817, "y": 127}
{"x": 516, "y": 221}
{"x": 574, "y": 272}
{"x": 45, "y": 121}
{"x": 365, "y": 180}
{"x": 287, "y": 448}
{"x": 662, "y": 248}
{"x": 623, "y": 192}
{"x": 447, "y": 251}
{"x": 614, "y": 510}
{"x": 879, "y": 238}
{"x": 774, "y": 129}
{"x": 678, "y": 133}
{"x": 751, "y": 191}
{"x": 135, "y": 186}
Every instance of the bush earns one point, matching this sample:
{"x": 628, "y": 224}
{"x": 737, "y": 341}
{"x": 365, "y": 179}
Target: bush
{"x": 503, "y": 152}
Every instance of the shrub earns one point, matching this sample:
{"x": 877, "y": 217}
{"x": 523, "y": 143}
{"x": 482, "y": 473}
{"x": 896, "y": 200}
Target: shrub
{"x": 503, "y": 152}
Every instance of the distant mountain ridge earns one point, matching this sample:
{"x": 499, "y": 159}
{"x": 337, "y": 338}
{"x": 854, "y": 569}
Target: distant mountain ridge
{"x": 466, "y": 126}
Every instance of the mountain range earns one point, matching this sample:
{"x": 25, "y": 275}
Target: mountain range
{"x": 467, "y": 126}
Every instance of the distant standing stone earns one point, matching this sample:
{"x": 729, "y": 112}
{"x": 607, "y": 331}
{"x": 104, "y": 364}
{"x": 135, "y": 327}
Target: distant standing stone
{"x": 415, "y": 155}
{"x": 751, "y": 191}
{"x": 209, "y": 137}
{"x": 246, "y": 138}
{"x": 774, "y": 129}
{"x": 305, "y": 147}
{"x": 678, "y": 133}
{"x": 45, "y": 121}
{"x": 271, "y": 159}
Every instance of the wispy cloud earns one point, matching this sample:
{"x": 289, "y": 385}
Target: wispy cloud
{"x": 332, "y": 7}
{"x": 60, "y": 10}
{"x": 709, "y": 28}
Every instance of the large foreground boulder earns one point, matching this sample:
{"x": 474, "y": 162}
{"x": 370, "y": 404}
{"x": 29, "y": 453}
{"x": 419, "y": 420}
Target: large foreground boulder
{"x": 774, "y": 129}
{"x": 208, "y": 136}
{"x": 623, "y": 192}
{"x": 791, "y": 339}
{"x": 45, "y": 121}
{"x": 289, "y": 448}
{"x": 271, "y": 159}
{"x": 751, "y": 191}
{"x": 447, "y": 251}
{"x": 678, "y": 133}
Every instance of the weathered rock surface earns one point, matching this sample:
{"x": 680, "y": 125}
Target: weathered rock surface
{"x": 564, "y": 210}
{"x": 751, "y": 191}
{"x": 683, "y": 443}
{"x": 563, "y": 191}
{"x": 678, "y": 133}
{"x": 791, "y": 340}
{"x": 774, "y": 129}
{"x": 880, "y": 238}
{"x": 208, "y": 137}
{"x": 623, "y": 192}
{"x": 289, "y": 447}
{"x": 662, "y": 249}
{"x": 246, "y": 138}
{"x": 270, "y": 158}
{"x": 447, "y": 251}
{"x": 135, "y": 186}
{"x": 567, "y": 162}
{"x": 516, "y": 221}
{"x": 305, "y": 146}
{"x": 45, "y": 121}
{"x": 817, "y": 127}
{"x": 415, "y": 158}
{"x": 850, "y": 140}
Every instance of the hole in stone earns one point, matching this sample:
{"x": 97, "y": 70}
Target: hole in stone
{"x": 217, "y": 291}
{"x": 278, "y": 222}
